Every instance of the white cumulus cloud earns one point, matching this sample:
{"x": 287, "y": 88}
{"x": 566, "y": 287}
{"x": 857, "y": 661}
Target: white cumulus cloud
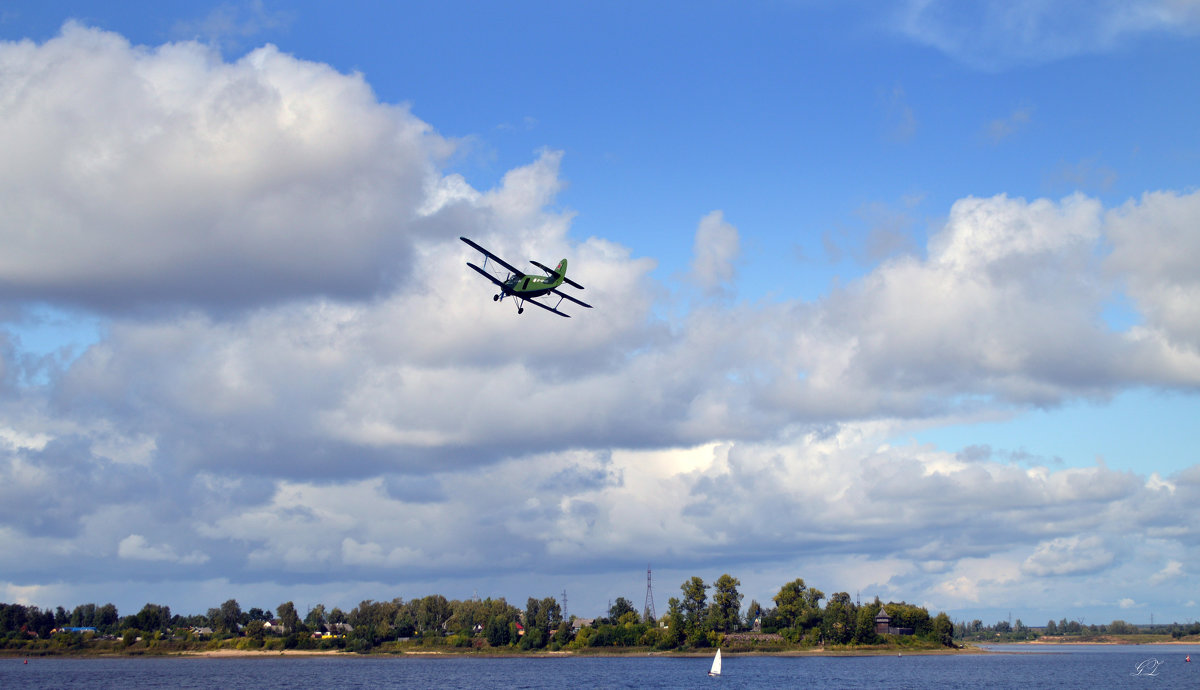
{"x": 141, "y": 175}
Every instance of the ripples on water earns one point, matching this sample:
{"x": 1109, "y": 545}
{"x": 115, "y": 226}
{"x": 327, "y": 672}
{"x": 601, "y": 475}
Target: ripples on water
{"x": 1064, "y": 666}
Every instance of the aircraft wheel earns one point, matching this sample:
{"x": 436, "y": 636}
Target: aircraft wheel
{"x": 495, "y": 298}
{"x": 521, "y": 310}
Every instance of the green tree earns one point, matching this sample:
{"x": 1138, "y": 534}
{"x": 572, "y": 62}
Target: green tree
{"x": 562, "y": 636}
{"x": 695, "y": 598}
{"x": 227, "y": 618}
{"x": 943, "y": 629}
{"x": 405, "y": 622}
{"x": 12, "y": 618}
{"x": 376, "y": 616}
{"x": 840, "y": 620}
{"x": 432, "y": 612}
{"x": 106, "y": 618}
{"x": 798, "y": 610}
{"x": 676, "y": 625}
{"x": 153, "y": 617}
{"x": 83, "y": 616}
{"x": 726, "y": 605}
{"x": 465, "y": 615}
{"x": 534, "y": 638}
{"x": 864, "y": 629}
{"x": 619, "y": 608}
{"x": 288, "y": 618}
{"x": 315, "y": 620}
{"x": 535, "y": 621}
{"x": 256, "y": 629}
{"x": 498, "y": 631}
{"x": 789, "y": 603}
{"x": 549, "y": 614}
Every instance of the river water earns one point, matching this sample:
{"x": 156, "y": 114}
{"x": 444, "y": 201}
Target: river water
{"x": 1003, "y": 666}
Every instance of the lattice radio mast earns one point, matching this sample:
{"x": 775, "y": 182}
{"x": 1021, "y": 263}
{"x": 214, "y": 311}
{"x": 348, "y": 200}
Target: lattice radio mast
{"x": 648, "y": 614}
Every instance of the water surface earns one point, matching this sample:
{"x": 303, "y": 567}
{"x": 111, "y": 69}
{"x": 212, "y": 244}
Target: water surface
{"x": 1004, "y": 666}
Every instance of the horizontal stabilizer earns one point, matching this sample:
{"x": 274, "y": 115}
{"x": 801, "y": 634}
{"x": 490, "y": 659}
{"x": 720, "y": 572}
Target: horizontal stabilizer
{"x": 553, "y": 273}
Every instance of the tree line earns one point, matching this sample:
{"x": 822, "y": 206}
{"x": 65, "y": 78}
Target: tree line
{"x": 1018, "y": 632}
{"x": 703, "y": 615}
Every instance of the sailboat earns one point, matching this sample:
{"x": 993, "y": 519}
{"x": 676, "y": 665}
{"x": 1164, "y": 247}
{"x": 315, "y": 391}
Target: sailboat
{"x": 716, "y": 667}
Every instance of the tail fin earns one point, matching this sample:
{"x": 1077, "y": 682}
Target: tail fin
{"x": 562, "y": 271}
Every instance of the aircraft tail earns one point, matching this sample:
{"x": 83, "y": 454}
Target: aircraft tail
{"x": 558, "y": 274}
{"x": 562, "y": 271}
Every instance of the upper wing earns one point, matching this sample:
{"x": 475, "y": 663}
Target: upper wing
{"x": 568, "y": 297}
{"x": 511, "y": 269}
{"x": 533, "y": 301}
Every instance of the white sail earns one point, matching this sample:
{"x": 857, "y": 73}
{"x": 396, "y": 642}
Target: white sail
{"x": 716, "y": 667}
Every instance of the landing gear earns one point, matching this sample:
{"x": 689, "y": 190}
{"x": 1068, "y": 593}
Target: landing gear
{"x": 495, "y": 298}
{"x": 520, "y": 310}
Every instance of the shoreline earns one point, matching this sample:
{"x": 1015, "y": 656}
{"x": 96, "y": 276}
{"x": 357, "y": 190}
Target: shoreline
{"x": 565, "y": 654}
{"x": 968, "y": 648}
{"x": 1105, "y": 640}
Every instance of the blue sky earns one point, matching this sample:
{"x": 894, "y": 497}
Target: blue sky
{"x": 850, "y": 260}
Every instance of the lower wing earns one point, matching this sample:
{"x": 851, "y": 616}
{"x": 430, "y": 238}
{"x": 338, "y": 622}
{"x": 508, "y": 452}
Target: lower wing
{"x": 543, "y": 306}
{"x": 487, "y": 275}
{"x": 568, "y": 297}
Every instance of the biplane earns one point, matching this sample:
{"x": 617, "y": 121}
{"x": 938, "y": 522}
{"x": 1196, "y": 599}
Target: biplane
{"x": 526, "y": 288}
